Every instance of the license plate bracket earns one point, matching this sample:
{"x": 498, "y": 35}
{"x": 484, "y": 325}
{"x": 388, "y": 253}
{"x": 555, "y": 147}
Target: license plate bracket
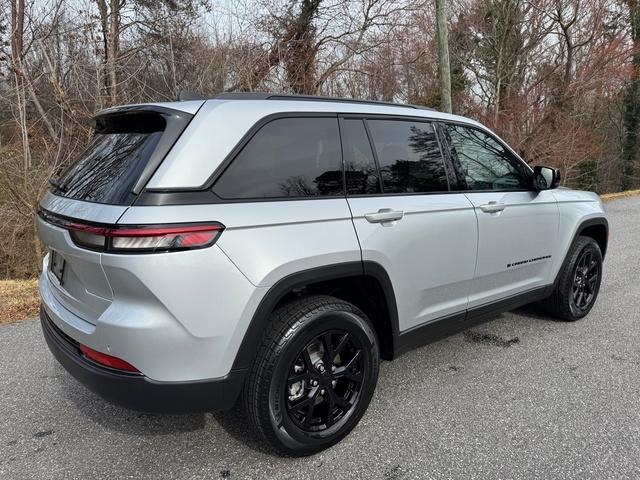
{"x": 57, "y": 266}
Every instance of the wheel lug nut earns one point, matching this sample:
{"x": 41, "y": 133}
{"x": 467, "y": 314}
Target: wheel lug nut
{"x": 314, "y": 383}
{"x": 322, "y": 391}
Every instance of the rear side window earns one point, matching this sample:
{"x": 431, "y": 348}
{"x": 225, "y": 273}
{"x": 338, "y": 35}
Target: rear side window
{"x": 360, "y": 169}
{"x": 288, "y": 157}
{"x": 112, "y": 163}
{"x": 409, "y": 156}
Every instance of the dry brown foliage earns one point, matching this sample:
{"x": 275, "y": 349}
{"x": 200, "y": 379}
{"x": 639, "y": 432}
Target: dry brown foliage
{"x": 19, "y": 300}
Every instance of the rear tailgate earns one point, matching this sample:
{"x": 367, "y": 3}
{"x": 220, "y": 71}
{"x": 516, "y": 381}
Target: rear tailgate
{"x": 82, "y": 287}
{"x": 128, "y": 145}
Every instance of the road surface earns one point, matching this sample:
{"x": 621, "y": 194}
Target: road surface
{"x": 522, "y": 396}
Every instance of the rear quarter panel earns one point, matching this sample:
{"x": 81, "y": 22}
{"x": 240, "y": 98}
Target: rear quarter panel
{"x": 269, "y": 240}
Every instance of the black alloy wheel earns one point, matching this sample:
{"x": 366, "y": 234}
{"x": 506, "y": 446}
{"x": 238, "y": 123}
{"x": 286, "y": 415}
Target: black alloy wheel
{"x": 578, "y": 282}
{"x": 314, "y": 374}
{"x": 325, "y": 380}
{"x": 587, "y": 274}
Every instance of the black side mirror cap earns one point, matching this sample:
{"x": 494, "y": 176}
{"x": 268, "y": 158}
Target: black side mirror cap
{"x": 545, "y": 178}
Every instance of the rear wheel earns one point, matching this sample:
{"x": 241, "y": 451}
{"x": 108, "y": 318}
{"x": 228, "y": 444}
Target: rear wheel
{"x": 579, "y": 281}
{"x": 314, "y": 375}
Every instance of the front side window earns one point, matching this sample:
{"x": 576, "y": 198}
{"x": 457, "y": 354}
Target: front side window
{"x": 409, "y": 156}
{"x": 288, "y": 157}
{"x": 482, "y": 163}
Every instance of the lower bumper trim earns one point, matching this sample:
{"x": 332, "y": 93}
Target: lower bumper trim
{"x": 137, "y": 392}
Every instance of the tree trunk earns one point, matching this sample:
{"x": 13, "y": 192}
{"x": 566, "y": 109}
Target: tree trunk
{"x": 443, "y": 56}
{"x": 110, "y": 26}
{"x": 114, "y": 47}
{"x": 17, "y": 42}
{"x": 300, "y": 57}
{"x": 632, "y": 103}
{"x": 17, "y": 30}
{"x": 37, "y": 246}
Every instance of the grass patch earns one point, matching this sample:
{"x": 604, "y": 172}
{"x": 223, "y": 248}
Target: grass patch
{"x": 19, "y": 300}
{"x": 613, "y": 196}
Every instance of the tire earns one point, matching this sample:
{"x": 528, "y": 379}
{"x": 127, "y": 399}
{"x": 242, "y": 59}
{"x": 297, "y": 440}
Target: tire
{"x": 565, "y": 302}
{"x": 304, "y": 417}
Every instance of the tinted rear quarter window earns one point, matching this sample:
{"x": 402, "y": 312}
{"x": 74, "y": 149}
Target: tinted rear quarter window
{"x": 112, "y": 163}
{"x": 361, "y": 172}
{"x": 409, "y": 156}
{"x": 287, "y": 157}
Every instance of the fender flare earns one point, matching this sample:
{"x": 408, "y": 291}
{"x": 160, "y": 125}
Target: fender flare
{"x": 254, "y": 333}
{"x": 590, "y": 222}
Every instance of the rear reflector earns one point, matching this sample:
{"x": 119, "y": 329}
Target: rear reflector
{"x": 138, "y": 238}
{"x": 107, "y": 360}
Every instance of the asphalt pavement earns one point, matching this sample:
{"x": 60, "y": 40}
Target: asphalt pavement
{"x": 522, "y": 396}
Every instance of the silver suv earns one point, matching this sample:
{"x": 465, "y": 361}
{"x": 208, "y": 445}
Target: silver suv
{"x": 274, "y": 248}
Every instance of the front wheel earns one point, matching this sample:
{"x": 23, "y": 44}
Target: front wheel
{"x": 579, "y": 281}
{"x": 314, "y": 375}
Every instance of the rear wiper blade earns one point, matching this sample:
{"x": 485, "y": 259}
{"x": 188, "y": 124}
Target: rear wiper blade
{"x": 54, "y": 182}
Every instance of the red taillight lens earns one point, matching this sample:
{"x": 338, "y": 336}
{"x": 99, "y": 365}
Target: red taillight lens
{"x": 87, "y": 235}
{"x": 163, "y": 238}
{"x": 107, "y": 360}
{"x": 145, "y": 238}
{"x": 137, "y": 238}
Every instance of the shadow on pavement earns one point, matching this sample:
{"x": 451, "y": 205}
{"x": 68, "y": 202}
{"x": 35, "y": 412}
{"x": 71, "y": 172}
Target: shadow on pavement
{"x": 127, "y": 421}
{"x": 237, "y": 426}
{"x": 123, "y": 420}
{"x": 233, "y": 422}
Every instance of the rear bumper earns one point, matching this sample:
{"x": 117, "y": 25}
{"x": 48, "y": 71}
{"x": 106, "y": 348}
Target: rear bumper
{"x": 137, "y": 392}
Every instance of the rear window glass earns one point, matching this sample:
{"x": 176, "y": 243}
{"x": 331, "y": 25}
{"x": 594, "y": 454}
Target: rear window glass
{"x": 409, "y": 156}
{"x": 288, "y": 157}
{"x": 111, "y": 165}
{"x": 360, "y": 169}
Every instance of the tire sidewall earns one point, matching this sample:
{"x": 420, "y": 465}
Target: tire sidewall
{"x": 287, "y": 433}
{"x": 592, "y": 246}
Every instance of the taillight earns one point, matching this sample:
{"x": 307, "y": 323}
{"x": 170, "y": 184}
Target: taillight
{"x": 107, "y": 360}
{"x": 138, "y": 238}
{"x": 146, "y": 238}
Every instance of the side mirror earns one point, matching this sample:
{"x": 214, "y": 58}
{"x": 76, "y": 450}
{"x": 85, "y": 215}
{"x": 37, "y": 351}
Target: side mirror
{"x": 545, "y": 178}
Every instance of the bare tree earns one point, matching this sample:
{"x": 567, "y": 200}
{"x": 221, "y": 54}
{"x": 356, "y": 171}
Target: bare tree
{"x": 110, "y": 26}
{"x": 444, "y": 73}
{"x": 632, "y": 101}
{"x": 558, "y": 79}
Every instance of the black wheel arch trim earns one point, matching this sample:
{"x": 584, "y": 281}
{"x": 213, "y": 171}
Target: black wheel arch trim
{"x": 582, "y": 226}
{"x": 591, "y": 222}
{"x": 249, "y": 346}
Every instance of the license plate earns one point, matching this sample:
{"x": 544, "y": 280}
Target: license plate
{"x": 56, "y": 265}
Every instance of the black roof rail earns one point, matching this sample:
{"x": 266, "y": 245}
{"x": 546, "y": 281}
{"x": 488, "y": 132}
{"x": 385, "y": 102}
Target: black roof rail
{"x": 306, "y": 98}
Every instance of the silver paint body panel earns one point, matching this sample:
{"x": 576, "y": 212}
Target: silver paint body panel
{"x": 182, "y": 316}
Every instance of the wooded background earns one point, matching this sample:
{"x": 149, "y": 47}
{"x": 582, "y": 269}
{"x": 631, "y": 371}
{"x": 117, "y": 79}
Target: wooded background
{"x": 557, "y": 79}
